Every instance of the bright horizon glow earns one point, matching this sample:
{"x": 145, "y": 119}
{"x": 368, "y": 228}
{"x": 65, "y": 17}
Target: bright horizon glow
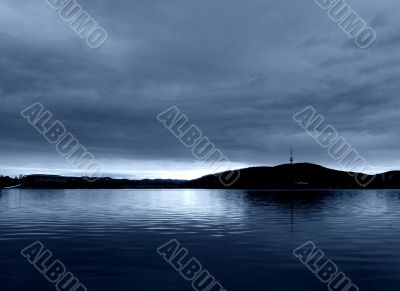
{"x": 124, "y": 169}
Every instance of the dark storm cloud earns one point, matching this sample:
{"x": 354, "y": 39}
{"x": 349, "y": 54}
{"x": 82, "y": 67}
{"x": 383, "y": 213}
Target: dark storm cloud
{"x": 238, "y": 69}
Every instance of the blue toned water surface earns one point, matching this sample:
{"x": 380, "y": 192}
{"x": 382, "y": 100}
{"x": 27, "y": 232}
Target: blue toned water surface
{"x": 245, "y": 239}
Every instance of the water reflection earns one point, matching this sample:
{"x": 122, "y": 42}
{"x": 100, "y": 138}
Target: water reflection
{"x": 108, "y": 237}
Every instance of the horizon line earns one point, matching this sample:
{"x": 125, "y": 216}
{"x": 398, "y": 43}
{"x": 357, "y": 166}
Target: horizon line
{"x": 237, "y": 169}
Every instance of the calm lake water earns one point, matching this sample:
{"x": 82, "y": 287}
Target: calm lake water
{"x": 245, "y": 239}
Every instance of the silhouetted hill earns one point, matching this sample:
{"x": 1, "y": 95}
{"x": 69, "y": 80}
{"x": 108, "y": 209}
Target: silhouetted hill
{"x": 286, "y": 176}
{"x": 6, "y": 181}
{"x": 303, "y": 176}
{"x": 51, "y": 181}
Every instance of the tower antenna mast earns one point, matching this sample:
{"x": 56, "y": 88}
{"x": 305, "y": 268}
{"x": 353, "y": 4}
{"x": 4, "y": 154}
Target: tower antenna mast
{"x": 291, "y": 155}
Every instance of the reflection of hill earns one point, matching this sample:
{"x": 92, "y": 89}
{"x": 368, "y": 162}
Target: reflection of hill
{"x": 284, "y": 198}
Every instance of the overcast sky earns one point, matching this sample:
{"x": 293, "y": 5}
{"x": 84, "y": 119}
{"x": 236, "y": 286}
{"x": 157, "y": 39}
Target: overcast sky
{"x": 238, "y": 69}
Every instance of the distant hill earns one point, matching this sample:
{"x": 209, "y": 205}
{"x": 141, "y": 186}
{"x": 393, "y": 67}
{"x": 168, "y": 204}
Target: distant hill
{"x": 303, "y": 175}
{"x": 6, "y": 181}
{"x": 51, "y": 181}
{"x": 296, "y": 176}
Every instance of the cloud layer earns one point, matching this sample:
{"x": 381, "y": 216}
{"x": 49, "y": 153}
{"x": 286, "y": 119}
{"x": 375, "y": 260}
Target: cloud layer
{"x": 238, "y": 69}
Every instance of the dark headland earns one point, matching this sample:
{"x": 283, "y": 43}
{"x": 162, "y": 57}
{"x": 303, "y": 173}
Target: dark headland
{"x": 287, "y": 176}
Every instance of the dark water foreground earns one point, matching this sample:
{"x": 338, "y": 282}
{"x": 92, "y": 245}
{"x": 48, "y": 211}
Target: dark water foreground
{"x": 245, "y": 239}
